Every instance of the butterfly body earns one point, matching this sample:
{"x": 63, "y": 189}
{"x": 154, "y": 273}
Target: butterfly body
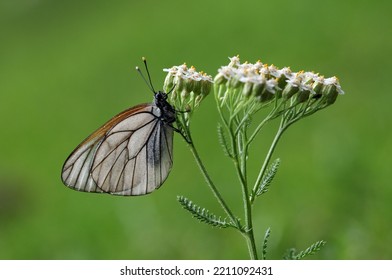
{"x": 132, "y": 154}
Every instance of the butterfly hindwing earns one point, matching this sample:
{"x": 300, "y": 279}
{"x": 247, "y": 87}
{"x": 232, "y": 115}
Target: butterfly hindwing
{"x": 76, "y": 170}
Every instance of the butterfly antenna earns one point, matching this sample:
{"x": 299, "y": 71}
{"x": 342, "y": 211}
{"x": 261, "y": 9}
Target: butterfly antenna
{"x": 172, "y": 89}
{"x": 149, "y": 83}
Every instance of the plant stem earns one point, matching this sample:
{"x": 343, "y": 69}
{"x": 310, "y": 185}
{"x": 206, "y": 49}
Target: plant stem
{"x": 282, "y": 128}
{"x": 285, "y": 122}
{"x": 240, "y": 165}
{"x": 212, "y": 186}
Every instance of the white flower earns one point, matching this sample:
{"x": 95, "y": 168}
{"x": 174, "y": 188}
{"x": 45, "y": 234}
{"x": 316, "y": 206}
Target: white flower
{"x": 334, "y": 81}
{"x": 271, "y": 85}
{"x": 286, "y": 71}
{"x": 261, "y": 78}
{"x": 234, "y": 61}
{"x": 207, "y": 78}
{"x": 295, "y": 80}
{"x": 183, "y": 80}
{"x": 226, "y": 71}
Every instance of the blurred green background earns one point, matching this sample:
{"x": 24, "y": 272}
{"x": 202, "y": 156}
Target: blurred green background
{"x": 66, "y": 67}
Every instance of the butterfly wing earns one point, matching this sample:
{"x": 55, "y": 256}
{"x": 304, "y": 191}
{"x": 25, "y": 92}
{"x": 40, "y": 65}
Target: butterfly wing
{"x": 130, "y": 155}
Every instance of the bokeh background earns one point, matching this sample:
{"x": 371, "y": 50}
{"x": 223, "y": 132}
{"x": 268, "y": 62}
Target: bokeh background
{"x": 66, "y": 67}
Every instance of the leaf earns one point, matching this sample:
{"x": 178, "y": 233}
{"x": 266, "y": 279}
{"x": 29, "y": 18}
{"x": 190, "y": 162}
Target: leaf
{"x": 268, "y": 177}
{"x": 203, "y": 214}
{"x": 311, "y": 250}
{"x": 223, "y": 141}
{"x": 265, "y": 242}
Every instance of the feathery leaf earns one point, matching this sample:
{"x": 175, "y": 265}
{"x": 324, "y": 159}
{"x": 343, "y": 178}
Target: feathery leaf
{"x": 223, "y": 141}
{"x": 312, "y": 249}
{"x": 268, "y": 177}
{"x": 202, "y": 214}
{"x": 265, "y": 243}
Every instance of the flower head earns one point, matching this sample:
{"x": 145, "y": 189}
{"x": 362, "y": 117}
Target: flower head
{"x": 186, "y": 86}
{"x": 264, "y": 83}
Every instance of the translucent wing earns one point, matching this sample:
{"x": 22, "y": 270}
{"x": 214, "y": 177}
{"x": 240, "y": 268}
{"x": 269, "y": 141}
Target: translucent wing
{"x": 130, "y": 155}
{"x": 77, "y": 168}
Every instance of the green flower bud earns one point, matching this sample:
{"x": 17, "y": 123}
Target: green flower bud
{"x": 185, "y": 94}
{"x": 266, "y": 96}
{"x": 289, "y": 91}
{"x": 168, "y": 84}
{"x": 205, "y": 86}
{"x": 330, "y": 93}
{"x": 235, "y": 83}
{"x": 282, "y": 81}
{"x": 173, "y": 96}
{"x": 331, "y": 90}
{"x": 179, "y": 82}
{"x": 190, "y": 85}
{"x": 302, "y": 96}
{"x": 220, "y": 79}
{"x": 247, "y": 89}
{"x": 318, "y": 84}
{"x": 257, "y": 89}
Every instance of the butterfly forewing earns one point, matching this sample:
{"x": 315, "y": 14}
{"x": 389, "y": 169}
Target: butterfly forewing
{"x": 130, "y": 155}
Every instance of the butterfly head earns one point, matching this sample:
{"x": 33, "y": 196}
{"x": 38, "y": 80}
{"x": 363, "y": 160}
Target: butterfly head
{"x": 168, "y": 112}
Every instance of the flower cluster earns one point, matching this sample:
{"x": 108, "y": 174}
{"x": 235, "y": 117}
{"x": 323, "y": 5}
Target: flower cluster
{"x": 264, "y": 83}
{"x": 186, "y": 86}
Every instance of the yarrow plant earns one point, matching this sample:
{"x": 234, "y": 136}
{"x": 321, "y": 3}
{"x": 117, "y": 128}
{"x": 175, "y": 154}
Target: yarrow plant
{"x": 241, "y": 91}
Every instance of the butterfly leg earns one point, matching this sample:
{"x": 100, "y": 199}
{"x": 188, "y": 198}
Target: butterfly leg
{"x": 182, "y": 134}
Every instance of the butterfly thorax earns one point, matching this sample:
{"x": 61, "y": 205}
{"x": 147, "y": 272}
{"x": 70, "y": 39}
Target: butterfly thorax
{"x": 168, "y": 112}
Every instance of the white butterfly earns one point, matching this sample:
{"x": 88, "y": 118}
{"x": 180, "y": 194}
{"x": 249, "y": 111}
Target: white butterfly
{"x": 131, "y": 154}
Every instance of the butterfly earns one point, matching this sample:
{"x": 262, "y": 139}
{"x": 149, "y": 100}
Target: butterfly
{"x": 131, "y": 154}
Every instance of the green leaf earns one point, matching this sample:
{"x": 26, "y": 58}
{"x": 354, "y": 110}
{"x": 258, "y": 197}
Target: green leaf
{"x": 268, "y": 177}
{"x": 223, "y": 141}
{"x": 265, "y": 243}
{"x": 311, "y": 250}
{"x": 203, "y": 214}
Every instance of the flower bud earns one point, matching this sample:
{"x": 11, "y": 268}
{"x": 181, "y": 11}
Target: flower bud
{"x": 302, "y": 96}
{"x": 331, "y": 90}
{"x": 235, "y": 83}
{"x": 330, "y": 93}
{"x": 247, "y": 89}
{"x": 190, "y": 85}
{"x": 169, "y": 82}
{"x": 205, "y": 86}
{"x": 266, "y": 96}
{"x": 179, "y": 82}
{"x": 185, "y": 94}
{"x": 289, "y": 91}
{"x": 258, "y": 90}
{"x": 220, "y": 79}
{"x": 318, "y": 84}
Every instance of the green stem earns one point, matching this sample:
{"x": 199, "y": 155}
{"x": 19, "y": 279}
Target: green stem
{"x": 248, "y": 232}
{"x": 261, "y": 124}
{"x": 282, "y": 127}
{"x": 212, "y": 186}
{"x": 240, "y": 165}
